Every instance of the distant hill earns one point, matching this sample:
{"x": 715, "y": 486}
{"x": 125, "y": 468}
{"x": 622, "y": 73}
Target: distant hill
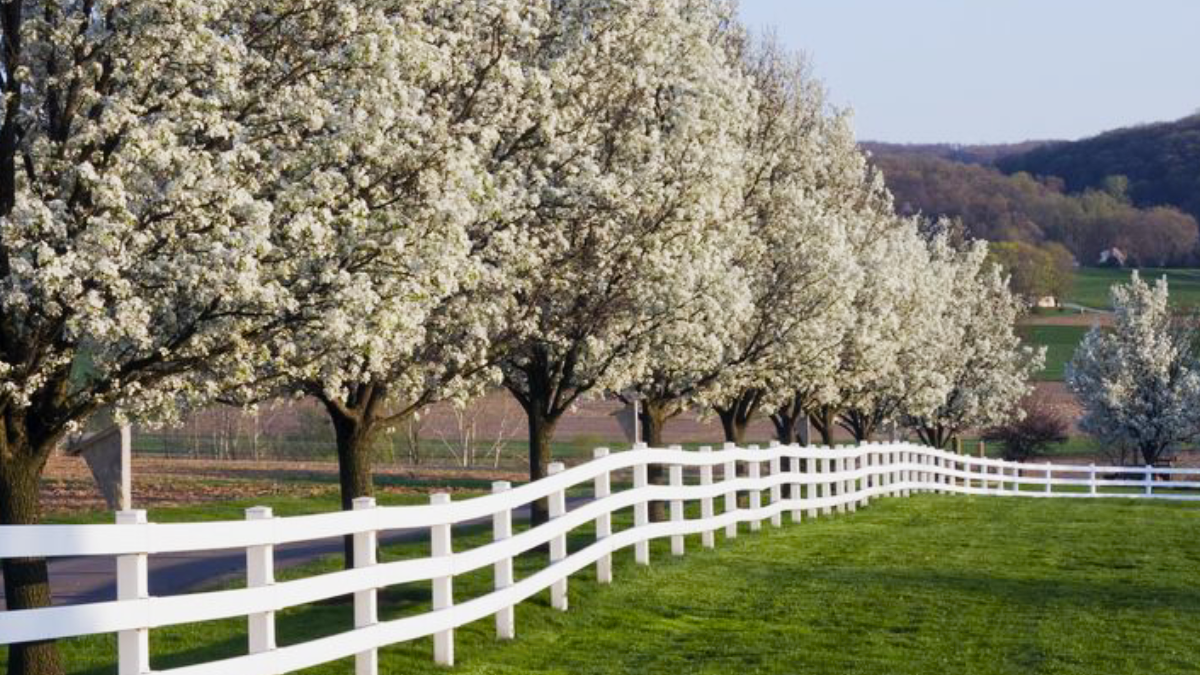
{"x": 1136, "y": 188}
{"x": 1000, "y": 207}
{"x": 1160, "y": 161}
{"x": 967, "y": 154}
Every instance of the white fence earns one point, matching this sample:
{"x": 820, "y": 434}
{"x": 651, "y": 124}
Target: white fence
{"x": 822, "y": 481}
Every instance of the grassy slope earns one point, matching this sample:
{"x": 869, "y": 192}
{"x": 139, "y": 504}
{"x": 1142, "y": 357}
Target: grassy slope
{"x": 1074, "y": 447}
{"x": 1060, "y": 343}
{"x": 929, "y": 584}
{"x": 1092, "y": 284}
{"x": 1091, "y": 289}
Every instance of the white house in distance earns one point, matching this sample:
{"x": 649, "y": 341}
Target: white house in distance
{"x": 1046, "y": 302}
{"x": 1112, "y": 257}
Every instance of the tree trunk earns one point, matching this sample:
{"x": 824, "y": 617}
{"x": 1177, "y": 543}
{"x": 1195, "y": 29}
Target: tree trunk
{"x": 1150, "y": 453}
{"x": 937, "y": 436}
{"x": 785, "y": 419}
{"x": 823, "y": 420}
{"x": 736, "y": 417}
{"x": 734, "y": 433}
{"x": 541, "y": 432}
{"x": 859, "y": 424}
{"x": 26, "y": 580}
{"x": 353, "y": 433}
{"x": 653, "y": 417}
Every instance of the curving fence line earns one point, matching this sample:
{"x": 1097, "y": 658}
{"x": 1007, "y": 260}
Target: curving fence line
{"x": 800, "y": 481}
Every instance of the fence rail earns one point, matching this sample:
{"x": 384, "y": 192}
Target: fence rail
{"x": 799, "y": 481}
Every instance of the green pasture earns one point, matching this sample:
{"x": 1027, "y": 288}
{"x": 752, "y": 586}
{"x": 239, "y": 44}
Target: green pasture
{"x": 929, "y": 584}
{"x": 1091, "y": 285}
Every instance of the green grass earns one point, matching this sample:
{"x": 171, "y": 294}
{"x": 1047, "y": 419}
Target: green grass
{"x": 1060, "y": 343}
{"x": 1075, "y": 446}
{"x": 235, "y": 509}
{"x": 1091, "y": 285}
{"x": 928, "y": 584}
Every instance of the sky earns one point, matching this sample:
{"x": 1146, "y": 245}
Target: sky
{"x": 995, "y": 71}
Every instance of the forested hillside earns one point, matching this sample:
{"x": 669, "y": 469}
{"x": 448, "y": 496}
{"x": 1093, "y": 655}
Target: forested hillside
{"x": 1019, "y": 207}
{"x": 987, "y": 155}
{"x": 1160, "y": 162}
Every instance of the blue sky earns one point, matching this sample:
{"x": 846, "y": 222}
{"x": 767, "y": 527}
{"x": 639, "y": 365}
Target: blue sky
{"x": 988, "y": 71}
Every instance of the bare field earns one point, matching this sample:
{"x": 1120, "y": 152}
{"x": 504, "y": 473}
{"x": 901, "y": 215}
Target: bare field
{"x": 67, "y": 485}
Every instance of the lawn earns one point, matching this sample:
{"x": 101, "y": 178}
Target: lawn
{"x": 1091, "y": 285}
{"x": 1060, "y": 343}
{"x": 1076, "y": 446}
{"x": 927, "y": 584}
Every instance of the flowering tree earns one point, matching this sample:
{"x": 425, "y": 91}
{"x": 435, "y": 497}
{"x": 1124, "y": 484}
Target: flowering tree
{"x": 1139, "y": 381}
{"x": 805, "y": 184}
{"x": 169, "y": 173}
{"x": 626, "y": 184}
{"x": 883, "y": 365}
{"x": 409, "y": 255}
{"x": 988, "y": 367}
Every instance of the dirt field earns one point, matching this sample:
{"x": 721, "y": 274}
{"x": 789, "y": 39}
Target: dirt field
{"x": 67, "y": 486}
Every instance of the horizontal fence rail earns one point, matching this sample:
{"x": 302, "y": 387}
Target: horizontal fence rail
{"x": 798, "y": 481}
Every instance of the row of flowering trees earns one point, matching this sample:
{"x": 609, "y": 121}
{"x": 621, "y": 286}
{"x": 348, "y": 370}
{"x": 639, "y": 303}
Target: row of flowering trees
{"x": 385, "y": 204}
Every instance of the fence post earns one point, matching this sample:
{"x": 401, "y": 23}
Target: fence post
{"x": 502, "y": 571}
{"x": 825, "y": 489}
{"x": 443, "y": 587}
{"x": 1092, "y": 479}
{"x": 862, "y": 464}
{"x": 906, "y": 472}
{"x": 755, "y": 471}
{"x": 602, "y": 488}
{"x": 641, "y": 515}
{"x": 708, "y": 538}
{"x": 918, "y": 457}
{"x": 776, "y": 488}
{"x": 1049, "y": 486}
{"x": 1149, "y": 481}
{"x": 872, "y": 480}
{"x": 730, "y": 473}
{"x": 921, "y": 461}
{"x": 366, "y": 603}
{"x": 935, "y": 472}
{"x": 851, "y": 465}
{"x": 558, "y": 545}
{"x": 260, "y": 571}
{"x": 797, "y": 513}
{"x": 810, "y": 487}
{"x": 133, "y": 583}
{"x": 676, "y": 480}
{"x": 885, "y": 464}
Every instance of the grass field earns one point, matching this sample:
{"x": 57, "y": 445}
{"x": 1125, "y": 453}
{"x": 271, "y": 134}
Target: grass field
{"x": 1076, "y": 446}
{"x": 928, "y": 584}
{"x": 1091, "y": 285}
{"x": 1060, "y": 343}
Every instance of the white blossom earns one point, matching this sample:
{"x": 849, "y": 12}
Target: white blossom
{"x": 1138, "y": 381}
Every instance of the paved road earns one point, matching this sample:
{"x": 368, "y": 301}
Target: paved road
{"x": 93, "y": 579}
{"x": 1085, "y": 310}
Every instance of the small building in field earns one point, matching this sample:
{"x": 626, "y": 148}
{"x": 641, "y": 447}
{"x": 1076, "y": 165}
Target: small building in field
{"x": 1112, "y": 257}
{"x": 1047, "y": 302}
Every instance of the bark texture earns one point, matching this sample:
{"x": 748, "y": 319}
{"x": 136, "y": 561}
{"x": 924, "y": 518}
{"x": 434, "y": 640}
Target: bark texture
{"x": 653, "y": 416}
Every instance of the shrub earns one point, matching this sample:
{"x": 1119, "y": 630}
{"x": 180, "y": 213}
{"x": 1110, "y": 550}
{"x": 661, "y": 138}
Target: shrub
{"x": 1030, "y": 435}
